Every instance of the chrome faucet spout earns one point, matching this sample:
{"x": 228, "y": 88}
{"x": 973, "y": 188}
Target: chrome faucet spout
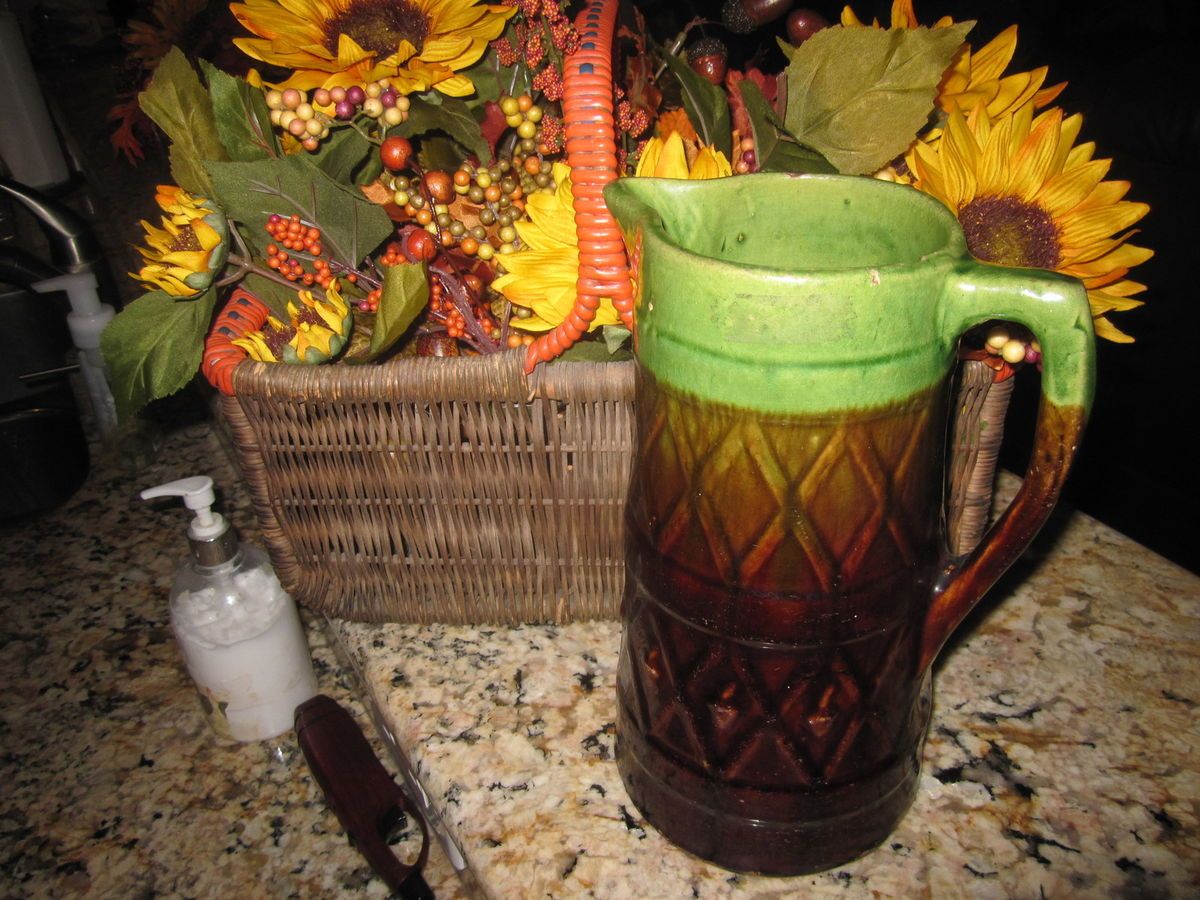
{"x": 73, "y": 244}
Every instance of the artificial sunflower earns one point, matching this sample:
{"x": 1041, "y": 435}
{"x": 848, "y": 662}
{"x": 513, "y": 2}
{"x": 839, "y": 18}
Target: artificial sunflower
{"x": 975, "y": 77}
{"x": 677, "y": 158}
{"x": 1026, "y": 195}
{"x": 184, "y": 256}
{"x": 416, "y": 44}
{"x": 542, "y": 276}
{"x": 317, "y": 332}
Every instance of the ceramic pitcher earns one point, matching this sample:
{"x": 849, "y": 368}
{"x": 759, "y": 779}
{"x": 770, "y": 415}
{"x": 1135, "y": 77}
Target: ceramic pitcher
{"x": 787, "y": 583}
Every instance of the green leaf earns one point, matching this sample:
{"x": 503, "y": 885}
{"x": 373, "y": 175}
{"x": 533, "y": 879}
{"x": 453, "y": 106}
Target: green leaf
{"x": 440, "y": 152}
{"x": 593, "y": 351}
{"x": 790, "y": 156}
{"x": 351, "y": 226}
{"x": 615, "y": 337}
{"x": 705, "y": 104}
{"x": 405, "y": 294}
{"x": 178, "y": 103}
{"x": 776, "y": 150}
{"x": 858, "y": 96}
{"x": 342, "y": 155}
{"x": 243, "y": 120}
{"x": 153, "y": 347}
{"x": 452, "y": 117}
{"x": 188, "y": 171}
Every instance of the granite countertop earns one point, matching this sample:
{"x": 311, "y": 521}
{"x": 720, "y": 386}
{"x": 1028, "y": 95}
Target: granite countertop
{"x": 114, "y": 784}
{"x": 1061, "y": 757}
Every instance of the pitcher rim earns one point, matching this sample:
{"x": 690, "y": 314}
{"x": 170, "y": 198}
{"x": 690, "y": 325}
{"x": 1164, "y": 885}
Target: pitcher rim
{"x": 953, "y": 248}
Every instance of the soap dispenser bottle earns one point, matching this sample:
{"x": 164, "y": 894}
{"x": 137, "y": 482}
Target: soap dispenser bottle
{"x": 238, "y": 629}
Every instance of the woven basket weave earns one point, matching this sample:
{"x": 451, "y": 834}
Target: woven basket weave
{"x": 449, "y": 490}
{"x": 454, "y": 490}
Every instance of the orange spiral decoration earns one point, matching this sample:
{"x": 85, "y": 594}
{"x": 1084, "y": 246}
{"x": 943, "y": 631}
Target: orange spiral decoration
{"x": 243, "y": 313}
{"x": 592, "y": 155}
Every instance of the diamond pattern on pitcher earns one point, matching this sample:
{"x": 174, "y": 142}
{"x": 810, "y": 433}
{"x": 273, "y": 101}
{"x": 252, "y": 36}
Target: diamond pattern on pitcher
{"x": 787, "y": 719}
{"x": 813, "y": 511}
{"x": 755, "y": 503}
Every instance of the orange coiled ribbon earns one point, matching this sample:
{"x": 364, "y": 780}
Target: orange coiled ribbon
{"x": 242, "y": 314}
{"x": 592, "y": 155}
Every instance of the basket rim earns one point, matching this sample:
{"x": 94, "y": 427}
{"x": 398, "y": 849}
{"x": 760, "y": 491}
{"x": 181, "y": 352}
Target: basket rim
{"x": 492, "y": 376}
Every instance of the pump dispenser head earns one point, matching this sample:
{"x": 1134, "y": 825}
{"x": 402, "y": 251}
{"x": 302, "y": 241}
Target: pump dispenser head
{"x": 211, "y": 539}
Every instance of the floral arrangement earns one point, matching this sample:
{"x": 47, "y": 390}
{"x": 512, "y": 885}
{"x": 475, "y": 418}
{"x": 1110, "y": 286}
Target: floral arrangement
{"x": 393, "y": 180}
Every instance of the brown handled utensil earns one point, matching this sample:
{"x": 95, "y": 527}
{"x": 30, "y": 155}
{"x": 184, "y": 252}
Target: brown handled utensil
{"x": 367, "y": 801}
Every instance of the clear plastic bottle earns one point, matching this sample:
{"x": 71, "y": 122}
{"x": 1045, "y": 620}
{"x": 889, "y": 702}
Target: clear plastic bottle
{"x": 237, "y": 627}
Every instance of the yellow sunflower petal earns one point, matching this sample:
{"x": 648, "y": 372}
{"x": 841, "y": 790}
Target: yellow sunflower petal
{"x": 649, "y": 158}
{"x": 294, "y": 34}
{"x": 1031, "y": 164}
{"x": 1106, "y": 301}
{"x": 710, "y": 163}
{"x": 990, "y": 60}
{"x": 255, "y": 346}
{"x": 1119, "y": 260}
{"x": 1094, "y": 224}
{"x": 1104, "y": 194}
{"x": 1038, "y": 200}
{"x": 1067, "y": 190}
{"x": 1107, "y": 330}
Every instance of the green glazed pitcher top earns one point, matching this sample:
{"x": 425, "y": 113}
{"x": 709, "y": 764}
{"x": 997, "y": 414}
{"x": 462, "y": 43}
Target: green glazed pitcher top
{"x": 811, "y": 294}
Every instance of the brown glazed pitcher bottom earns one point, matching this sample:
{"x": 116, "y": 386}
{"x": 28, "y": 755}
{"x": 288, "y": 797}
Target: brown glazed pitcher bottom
{"x": 727, "y": 825}
{"x": 772, "y": 708}
{"x": 782, "y": 802}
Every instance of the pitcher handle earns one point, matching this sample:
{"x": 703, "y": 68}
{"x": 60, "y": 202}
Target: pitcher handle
{"x": 1055, "y": 309}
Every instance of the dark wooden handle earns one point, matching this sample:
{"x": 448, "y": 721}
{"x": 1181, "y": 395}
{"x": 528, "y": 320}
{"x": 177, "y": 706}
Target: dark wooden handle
{"x": 358, "y": 788}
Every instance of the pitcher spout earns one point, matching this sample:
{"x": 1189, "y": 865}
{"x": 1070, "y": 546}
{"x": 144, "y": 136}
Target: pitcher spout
{"x": 638, "y": 202}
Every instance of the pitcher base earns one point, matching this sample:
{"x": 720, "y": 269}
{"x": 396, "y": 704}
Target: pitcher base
{"x": 824, "y": 831}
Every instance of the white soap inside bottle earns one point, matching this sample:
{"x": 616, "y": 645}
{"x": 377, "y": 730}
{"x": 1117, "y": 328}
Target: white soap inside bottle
{"x": 237, "y": 627}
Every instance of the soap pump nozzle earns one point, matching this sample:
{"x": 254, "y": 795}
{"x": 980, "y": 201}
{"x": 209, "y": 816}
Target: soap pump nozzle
{"x": 211, "y": 539}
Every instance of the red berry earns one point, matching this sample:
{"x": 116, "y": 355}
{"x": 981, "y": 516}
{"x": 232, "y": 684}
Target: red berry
{"x": 395, "y": 153}
{"x": 419, "y": 245}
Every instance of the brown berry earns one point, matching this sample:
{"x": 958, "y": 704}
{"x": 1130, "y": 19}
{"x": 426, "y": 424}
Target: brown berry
{"x": 804, "y": 23}
{"x": 440, "y": 186}
{"x": 760, "y": 12}
{"x": 708, "y": 58}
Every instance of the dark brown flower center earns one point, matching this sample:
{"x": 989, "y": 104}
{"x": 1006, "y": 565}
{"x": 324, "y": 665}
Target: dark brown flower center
{"x": 378, "y": 26}
{"x": 277, "y": 338}
{"x": 186, "y": 241}
{"x": 1009, "y": 231}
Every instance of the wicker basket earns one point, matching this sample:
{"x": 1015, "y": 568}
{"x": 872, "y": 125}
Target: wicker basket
{"x": 450, "y": 490}
{"x": 454, "y": 490}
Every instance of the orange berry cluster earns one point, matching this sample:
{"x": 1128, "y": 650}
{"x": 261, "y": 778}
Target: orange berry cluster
{"x": 442, "y": 308}
{"x": 292, "y": 233}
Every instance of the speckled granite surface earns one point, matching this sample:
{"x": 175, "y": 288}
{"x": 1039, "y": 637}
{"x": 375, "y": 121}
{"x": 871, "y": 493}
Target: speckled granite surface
{"x": 1061, "y": 761}
{"x": 113, "y": 784}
